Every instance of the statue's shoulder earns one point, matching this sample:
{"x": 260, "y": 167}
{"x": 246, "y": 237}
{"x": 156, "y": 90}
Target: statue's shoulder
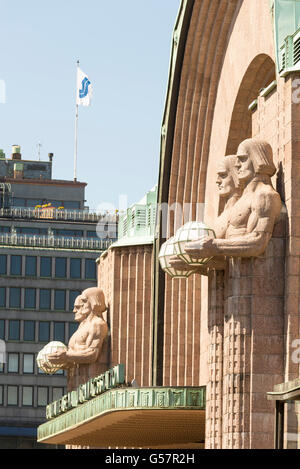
{"x": 99, "y": 324}
{"x": 266, "y": 191}
{"x": 267, "y": 199}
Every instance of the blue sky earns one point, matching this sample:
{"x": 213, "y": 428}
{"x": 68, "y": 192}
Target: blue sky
{"x": 124, "y": 47}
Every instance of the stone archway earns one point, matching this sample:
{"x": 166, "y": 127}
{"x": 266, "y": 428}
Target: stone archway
{"x": 261, "y": 72}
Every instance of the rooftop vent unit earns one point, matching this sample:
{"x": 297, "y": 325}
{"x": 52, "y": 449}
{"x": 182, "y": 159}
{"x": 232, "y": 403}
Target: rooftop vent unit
{"x": 16, "y": 152}
{"x": 289, "y": 55}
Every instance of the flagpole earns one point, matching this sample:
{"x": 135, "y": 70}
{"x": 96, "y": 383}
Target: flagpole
{"x": 76, "y": 128}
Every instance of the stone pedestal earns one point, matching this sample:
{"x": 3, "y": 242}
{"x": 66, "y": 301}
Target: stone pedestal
{"x": 246, "y": 324}
{"x": 214, "y": 390}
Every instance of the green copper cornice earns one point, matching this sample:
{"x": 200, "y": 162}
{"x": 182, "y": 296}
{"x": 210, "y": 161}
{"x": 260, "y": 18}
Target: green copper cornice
{"x": 120, "y": 400}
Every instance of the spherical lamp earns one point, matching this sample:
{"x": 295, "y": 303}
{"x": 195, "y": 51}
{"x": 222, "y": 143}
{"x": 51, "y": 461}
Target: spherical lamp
{"x": 42, "y": 358}
{"x": 167, "y": 251}
{"x": 192, "y": 231}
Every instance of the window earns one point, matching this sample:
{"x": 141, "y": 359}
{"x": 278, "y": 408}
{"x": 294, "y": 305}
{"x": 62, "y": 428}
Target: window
{"x": 45, "y": 299}
{"x": 60, "y": 300}
{"x": 90, "y": 269}
{"x": 18, "y": 202}
{"x": 30, "y": 266}
{"x": 60, "y": 267}
{"x": 70, "y": 204}
{"x": 13, "y": 363}
{"x": 73, "y": 326}
{"x": 14, "y": 330}
{"x": 1, "y": 395}
{"x": 33, "y": 202}
{"x": 2, "y": 329}
{"x": 12, "y": 395}
{"x": 28, "y": 231}
{"x": 59, "y": 331}
{"x": 72, "y": 297}
{"x": 28, "y": 363}
{"x": 15, "y": 297}
{"x": 44, "y": 331}
{"x": 3, "y": 264}
{"x": 27, "y": 396}
{"x": 30, "y": 298}
{"x": 57, "y": 393}
{"x": 92, "y": 234}
{"x": 46, "y": 267}
{"x": 42, "y": 399}
{"x": 75, "y": 268}
{"x": 15, "y": 265}
{"x": 56, "y": 203}
{"x": 29, "y": 331}
{"x": 69, "y": 233}
{"x": 2, "y": 297}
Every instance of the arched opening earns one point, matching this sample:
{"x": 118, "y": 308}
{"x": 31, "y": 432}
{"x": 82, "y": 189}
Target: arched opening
{"x": 261, "y": 73}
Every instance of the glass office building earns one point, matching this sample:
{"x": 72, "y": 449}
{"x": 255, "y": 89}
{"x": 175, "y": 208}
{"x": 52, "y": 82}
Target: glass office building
{"x": 48, "y": 248}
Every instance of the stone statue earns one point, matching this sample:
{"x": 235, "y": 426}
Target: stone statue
{"x": 251, "y": 218}
{"x": 229, "y": 192}
{"x": 85, "y": 345}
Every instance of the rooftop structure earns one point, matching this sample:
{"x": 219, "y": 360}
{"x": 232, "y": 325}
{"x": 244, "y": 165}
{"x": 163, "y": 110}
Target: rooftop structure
{"x": 137, "y": 225}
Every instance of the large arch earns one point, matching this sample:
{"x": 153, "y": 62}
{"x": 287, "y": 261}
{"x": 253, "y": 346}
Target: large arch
{"x": 203, "y": 104}
{"x": 260, "y": 73}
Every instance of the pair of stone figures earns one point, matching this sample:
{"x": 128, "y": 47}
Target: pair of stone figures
{"x": 252, "y": 207}
{"x": 86, "y": 343}
{"x": 244, "y": 229}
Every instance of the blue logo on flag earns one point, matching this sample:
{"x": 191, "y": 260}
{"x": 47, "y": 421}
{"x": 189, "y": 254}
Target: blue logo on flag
{"x": 85, "y": 88}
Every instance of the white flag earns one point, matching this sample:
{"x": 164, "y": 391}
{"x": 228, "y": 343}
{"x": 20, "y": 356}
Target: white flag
{"x": 84, "y": 89}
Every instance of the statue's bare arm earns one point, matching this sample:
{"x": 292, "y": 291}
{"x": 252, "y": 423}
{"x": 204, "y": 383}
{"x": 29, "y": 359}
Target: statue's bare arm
{"x": 265, "y": 210}
{"x": 86, "y": 353}
{"x": 90, "y": 351}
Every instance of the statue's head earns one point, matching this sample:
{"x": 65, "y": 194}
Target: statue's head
{"x": 254, "y": 157}
{"x": 227, "y": 176}
{"x": 90, "y": 301}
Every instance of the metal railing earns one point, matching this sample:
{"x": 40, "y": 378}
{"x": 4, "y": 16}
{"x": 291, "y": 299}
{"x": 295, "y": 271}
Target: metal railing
{"x": 55, "y": 214}
{"x": 54, "y": 242}
{"x": 289, "y": 53}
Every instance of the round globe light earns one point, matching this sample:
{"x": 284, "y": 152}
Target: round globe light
{"x": 167, "y": 251}
{"x": 192, "y": 231}
{"x": 42, "y": 358}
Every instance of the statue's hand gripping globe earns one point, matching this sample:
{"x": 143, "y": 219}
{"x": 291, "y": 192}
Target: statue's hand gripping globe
{"x": 42, "y": 358}
{"x": 192, "y": 231}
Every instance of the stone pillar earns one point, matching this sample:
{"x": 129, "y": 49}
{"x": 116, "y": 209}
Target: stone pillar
{"x": 253, "y": 345}
{"x": 214, "y": 388}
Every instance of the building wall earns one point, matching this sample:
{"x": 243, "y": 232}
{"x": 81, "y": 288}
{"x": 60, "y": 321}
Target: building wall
{"x": 33, "y": 190}
{"x": 125, "y": 275}
{"x": 21, "y": 415}
{"x": 228, "y": 58}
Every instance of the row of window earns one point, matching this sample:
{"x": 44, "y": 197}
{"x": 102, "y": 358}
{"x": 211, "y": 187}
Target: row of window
{"x": 22, "y": 363}
{"x": 29, "y": 396}
{"x": 32, "y": 203}
{"x": 46, "y": 268}
{"x": 42, "y": 298}
{"x": 36, "y": 331}
{"x": 57, "y": 232}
